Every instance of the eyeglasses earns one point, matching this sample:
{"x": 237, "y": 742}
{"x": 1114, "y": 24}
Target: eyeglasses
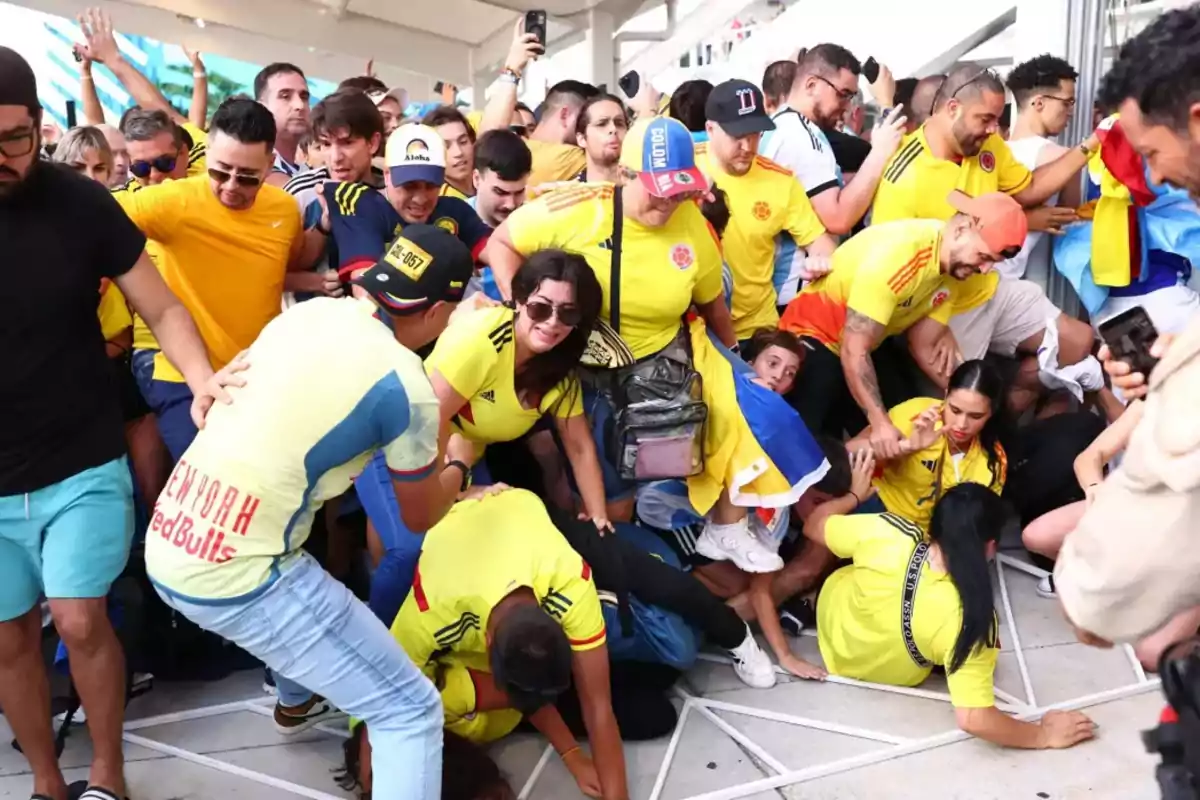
{"x": 540, "y": 311}
{"x": 15, "y": 145}
{"x": 843, "y": 94}
{"x": 241, "y": 179}
{"x": 1069, "y": 102}
{"x": 164, "y": 164}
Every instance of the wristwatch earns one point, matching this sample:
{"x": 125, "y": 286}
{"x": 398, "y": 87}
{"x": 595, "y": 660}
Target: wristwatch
{"x": 466, "y": 473}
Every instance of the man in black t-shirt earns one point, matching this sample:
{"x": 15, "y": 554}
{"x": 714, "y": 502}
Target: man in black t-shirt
{"x": 66, "y": 505}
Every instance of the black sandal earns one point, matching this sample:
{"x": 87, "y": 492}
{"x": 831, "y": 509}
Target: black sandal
{"x": 80, "y": 790}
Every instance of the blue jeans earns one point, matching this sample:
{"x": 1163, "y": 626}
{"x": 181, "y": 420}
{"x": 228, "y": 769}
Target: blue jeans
{"x": 393, "y": 577}
{"x": 171, "y": 403}
{"x": 310, "y": 628}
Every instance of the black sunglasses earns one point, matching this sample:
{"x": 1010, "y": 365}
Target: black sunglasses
{"x": 164, "y": 164}
{"x": 540, "y": 311}
{"x": 222, "y": 177}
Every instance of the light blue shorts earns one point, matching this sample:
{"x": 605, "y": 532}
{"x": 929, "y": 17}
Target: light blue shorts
{"x": 68, "y": 540}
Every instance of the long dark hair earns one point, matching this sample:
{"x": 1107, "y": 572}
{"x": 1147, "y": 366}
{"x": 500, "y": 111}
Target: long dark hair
{"x": 965, "y": 520}
{"x": 546, "y": 370}
{"x": 982, "y": 378}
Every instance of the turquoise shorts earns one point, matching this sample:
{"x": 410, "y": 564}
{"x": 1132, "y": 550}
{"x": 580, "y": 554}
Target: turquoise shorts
{"x": 69, "y": 540}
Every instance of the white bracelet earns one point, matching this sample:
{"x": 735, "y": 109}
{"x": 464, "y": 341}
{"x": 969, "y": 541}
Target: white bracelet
{"x": 199, "y": 74}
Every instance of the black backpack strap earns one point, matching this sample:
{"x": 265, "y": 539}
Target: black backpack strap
{"x": 614, "y": 304}
{"x": 913, "y": 575}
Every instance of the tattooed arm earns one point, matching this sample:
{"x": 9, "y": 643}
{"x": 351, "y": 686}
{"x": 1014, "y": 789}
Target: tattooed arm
{"x": 859, "y": 337}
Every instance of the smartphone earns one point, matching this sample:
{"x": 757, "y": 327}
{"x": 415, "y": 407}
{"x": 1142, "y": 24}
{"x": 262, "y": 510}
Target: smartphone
{"x": 870, "y": 70}
{"x": 1129, "y": 335}
{"x": 76, "y": 55}
{"x": 630, "y": 83}
{"x": 535, "y": 23}
{"x": 437, "y": 88}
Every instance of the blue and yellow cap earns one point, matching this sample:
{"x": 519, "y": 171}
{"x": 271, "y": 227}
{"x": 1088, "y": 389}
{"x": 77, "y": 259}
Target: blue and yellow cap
{"x": 661, "y": 151}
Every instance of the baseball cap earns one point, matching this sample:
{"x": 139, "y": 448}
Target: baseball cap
{"x": 423, "y": 265}
{"x": 737, "y": 106}
{"x": 661, "y": 151}
{"x": 18, "y": 86}
{"x": 397, "y": 94}
{"x": 1001, "y": 220}
{"x": 530, "y": 658}
{"x": 415, "y": 153}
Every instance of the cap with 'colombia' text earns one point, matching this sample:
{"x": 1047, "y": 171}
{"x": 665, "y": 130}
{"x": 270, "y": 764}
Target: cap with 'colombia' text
{"x": 1000, "y": 219}
{"x": 661, "y": 151}
{"x": 423, "y": 265}
{"x": 415, "y": 153}
{"x": 737, "y": 106}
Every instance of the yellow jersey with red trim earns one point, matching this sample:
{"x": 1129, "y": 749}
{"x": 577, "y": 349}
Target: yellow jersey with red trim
{"x": 909, "y": 485}
{"x": 859, "y": 612}
{"x": 112, "y": 311}
{"x": 916, "y": 184}
{"x": 889, "y": 272}
{"x": 663, "y": 270}
{"x": 476, "y": 355}
{"x": 226, "y": 267}
{"x": 479, "y": 553}
{"x": 766, "y": 201}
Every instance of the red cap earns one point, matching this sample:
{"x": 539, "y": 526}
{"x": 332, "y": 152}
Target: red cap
{"x": 1001, "y": 220}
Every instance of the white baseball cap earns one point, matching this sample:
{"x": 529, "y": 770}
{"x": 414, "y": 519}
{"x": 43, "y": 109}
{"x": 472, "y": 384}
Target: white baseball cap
{"x": 397, "y": 94}
{"x": 415, "y": 153}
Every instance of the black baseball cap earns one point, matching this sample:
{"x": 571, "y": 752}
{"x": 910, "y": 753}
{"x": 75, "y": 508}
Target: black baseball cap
{"x": 423, "y": 265}
{"x": 530, "y": 658}
{"x": 737, "y": 106}
{"x": 18, "y": 86}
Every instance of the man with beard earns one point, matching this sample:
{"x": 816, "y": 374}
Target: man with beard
{"x": 764, "y": 200}
{"x": 959, "y": 149}
{"x": 883, "y": 281}
{"x": 66, "y": 496}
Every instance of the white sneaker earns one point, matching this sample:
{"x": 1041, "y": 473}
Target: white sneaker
{"x": 1045, "y": 588}
{"x": 752, "y": 665}
{"x": 737, "y": 544}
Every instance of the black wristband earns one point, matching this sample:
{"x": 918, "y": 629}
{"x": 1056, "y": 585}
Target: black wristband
{"x": 466, "y": 472}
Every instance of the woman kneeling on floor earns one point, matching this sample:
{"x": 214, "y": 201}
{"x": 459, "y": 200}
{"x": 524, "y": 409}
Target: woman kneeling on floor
{"x": 908, "y": 605}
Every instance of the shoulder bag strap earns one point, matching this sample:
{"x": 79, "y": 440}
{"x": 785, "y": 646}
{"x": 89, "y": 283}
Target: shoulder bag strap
{"x": 911, "y": 578}
{"x": 614, "y": 303}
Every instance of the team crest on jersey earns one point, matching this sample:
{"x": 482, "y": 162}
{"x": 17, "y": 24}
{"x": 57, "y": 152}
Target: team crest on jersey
{"x": 683, "y": 256}
{"x": 448, "y": 225}
{"x": 939, "y": 297}
{"x": 987, "y": 161}
{"x": 762, "y": 211}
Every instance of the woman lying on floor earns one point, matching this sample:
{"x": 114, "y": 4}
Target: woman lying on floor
{"x": 908, "y": 605}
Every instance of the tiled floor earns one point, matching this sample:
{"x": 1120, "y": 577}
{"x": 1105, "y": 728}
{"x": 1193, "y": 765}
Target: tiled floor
{"x": 707, "y": 760}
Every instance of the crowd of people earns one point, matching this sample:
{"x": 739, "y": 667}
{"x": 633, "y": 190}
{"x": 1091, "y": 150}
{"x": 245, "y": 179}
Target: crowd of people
{"x": 476, "y": 421}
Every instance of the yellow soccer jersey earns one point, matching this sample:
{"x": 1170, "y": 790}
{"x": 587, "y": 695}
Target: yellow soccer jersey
{"x": 143, "y": 339}
{"x": 477, "y": 357}
{"x": 663, "y": 270}
{"x": 889, "y": 273}
{"x": 449, "y": 191}
{"x": 908, "y": 485}
{"x": 916, "y": 185}
{"x": 766, "y": 201}
{"x": 198, "y": 152}
{"x": 554, "y": 162}
{"x": 859, "y": 612}
{"x": 113, "y": 311}
{"x": 240, "y": 502}
{"x": 476, "y": 556}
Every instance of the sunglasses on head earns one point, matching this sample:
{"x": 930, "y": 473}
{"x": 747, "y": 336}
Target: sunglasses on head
{"x": 222, "y": 177}
{"x": 540, "y": 311}
{"x": 141, "y": 169}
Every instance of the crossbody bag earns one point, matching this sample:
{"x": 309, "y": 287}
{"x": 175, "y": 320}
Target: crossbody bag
{"x": 911, "y": 578}
{"x": 660, "y": 415}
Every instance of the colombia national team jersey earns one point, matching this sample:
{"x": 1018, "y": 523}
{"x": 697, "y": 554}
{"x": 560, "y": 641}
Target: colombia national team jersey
{"x": 363, "y": 223}
{"x": 481, "y": 552}
{"x": 859, "y": 612}
{"x": 917, "y": 184}
{"x": 766, "y": 201}
{"x": 476, "y": 355}
{"x": 240, "y": 502}
{"x": 663, "y": 270}
{"x": 888, "y": 272}
{"x": 908, "y": 485}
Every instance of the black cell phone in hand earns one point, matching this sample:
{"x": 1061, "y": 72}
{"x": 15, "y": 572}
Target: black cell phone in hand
{"x": 630, "y": 83}
{"x": 870, "y": 70}
{"x": 1129, "y": 336}
{"x": 535, "y": 23}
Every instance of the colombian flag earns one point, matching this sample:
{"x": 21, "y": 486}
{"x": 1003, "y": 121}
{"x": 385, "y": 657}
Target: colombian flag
{"x": 1118, "y": 246}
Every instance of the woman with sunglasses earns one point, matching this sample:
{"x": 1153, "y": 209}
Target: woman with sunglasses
{"x": 497, "y": 371}
{"x": 948, "y": 442}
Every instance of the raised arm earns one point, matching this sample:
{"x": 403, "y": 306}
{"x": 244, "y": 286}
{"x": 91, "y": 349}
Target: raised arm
{"x": 497, "y": 114}
{"x": 102, "y": 46}
{"x": 93, "y": 112}
{"x": 198, "y": 110}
